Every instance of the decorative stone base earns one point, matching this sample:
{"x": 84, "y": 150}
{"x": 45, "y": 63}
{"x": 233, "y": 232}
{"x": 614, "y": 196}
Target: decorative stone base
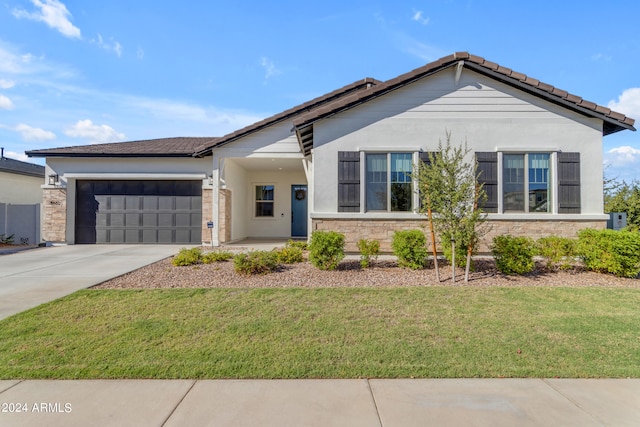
{"x": 207, "y": 213}
{"x": 224, "y": 233}
{"x": 54, "y": 215}
{"x": 383, "y": 229}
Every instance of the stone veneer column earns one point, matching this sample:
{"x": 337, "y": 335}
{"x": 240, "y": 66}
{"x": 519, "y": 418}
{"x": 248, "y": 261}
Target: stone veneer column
{"x": 54, "y": 207}
{"x": 225, "y": 216}
{"x": 207, "y": 213}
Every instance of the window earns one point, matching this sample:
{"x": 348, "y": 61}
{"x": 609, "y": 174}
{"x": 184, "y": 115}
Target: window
{"x": 388, "y": 182}
{"x": 526, "y": 181}
{"x": 264, "y": 200}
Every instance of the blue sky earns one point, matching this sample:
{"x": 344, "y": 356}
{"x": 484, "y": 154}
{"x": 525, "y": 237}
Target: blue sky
{"x": 76, "y": 72}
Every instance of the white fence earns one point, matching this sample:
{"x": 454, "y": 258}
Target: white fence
{"x": 21, "y": 221}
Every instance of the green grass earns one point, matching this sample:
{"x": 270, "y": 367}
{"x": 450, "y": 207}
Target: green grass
{"x": 430, "y": 332}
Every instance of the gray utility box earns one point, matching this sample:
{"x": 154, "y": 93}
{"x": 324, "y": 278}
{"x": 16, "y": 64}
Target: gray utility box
{"x": 617, "y": 220}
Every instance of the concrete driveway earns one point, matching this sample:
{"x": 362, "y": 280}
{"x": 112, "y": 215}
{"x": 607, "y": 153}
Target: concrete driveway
{"x": 33, "y": 277}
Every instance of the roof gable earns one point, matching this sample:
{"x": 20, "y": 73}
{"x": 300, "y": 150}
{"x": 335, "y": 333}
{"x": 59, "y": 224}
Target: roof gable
{"x": 613, "y": 121}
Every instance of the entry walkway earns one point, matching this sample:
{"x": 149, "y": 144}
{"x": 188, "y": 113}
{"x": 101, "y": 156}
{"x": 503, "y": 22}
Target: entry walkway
{"x": 452, "y": 402}
{"x": 32, "y": 277}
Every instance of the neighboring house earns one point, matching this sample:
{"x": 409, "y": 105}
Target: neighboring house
{"x": 340, "y": 162}
{"x": 20, "y": 199}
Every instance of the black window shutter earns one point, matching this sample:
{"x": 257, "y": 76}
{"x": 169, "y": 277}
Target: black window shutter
{"x": 488, "y": 176}
{"x": 568, "y": 182}
{"x": 348, "y": 181}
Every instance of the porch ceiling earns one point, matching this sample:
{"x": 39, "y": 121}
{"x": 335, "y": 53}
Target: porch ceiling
{"x": 264, "y": 164}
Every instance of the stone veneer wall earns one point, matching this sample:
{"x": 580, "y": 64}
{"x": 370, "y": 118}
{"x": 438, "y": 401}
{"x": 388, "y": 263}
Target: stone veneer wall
{"x": 207, "y": 213}
{"x": 54, "y": 214}
{"x": 224, "y": 233}
{"x": 383, "y": 229}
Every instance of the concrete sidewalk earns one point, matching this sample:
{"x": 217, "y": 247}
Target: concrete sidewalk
{"x": 446, "y": 402}
{"x": 32, "y": 277}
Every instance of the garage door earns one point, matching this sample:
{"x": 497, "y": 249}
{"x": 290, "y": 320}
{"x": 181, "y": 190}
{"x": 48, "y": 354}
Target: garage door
{"x": 139, "y": 212}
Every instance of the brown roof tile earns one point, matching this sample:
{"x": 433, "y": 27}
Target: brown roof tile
{"x": 164, "y": 147}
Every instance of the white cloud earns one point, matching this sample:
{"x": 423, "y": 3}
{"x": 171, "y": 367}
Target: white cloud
{"x": 628, "y": 103}
{"x": 17, "y": 156}
{"x": 624, "y": 154}
{"x": 53, "y": 13}
{"x": 30, "y": 133}
{"x": 96, "y": 134}
{"x": 140, "y": 53}
{"x": 419, "y": 17}
{"x": 269, "y": 67}
{"x": 600, "y": 57}
{"x": 6, "y": 84}
{"x": 112, "y": 45}
{"x": 5, "y": 103}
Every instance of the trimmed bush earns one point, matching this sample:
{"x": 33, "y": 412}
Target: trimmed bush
{"x": 326, "y": 249}
{"x": 410, "y": 246}
{"x": 187, "y": 257}
{"x": 558, "y": 252}
{"x": 513, "y": 255}
{"x": 216, "y": 256}
{"x": 369, "y": 250}
{"x": 609, "y": 251}
{"x": 289, "y": 255}
{"x": 255, "y": 262}
{"x": 300, "y": 244}
{"x": 6, "y": 240}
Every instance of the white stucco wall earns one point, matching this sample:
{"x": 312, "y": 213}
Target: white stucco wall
{"x": 20, "y": 189}
{"x": 489, "y": 115}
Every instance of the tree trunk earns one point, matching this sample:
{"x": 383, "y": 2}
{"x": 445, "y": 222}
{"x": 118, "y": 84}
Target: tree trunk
{"x": 433, "y": 241}
{"x": 453, "y": 260}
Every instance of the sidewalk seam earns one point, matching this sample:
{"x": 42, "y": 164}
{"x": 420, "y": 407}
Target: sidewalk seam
{"x": 573, "y": 402}
{"x": 18, "y": 383}
{"x": 179, "y": 403}
{"x": 375, "y": 404}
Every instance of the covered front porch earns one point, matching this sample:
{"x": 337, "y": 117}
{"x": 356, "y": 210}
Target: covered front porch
{"x": 260, "y": 198}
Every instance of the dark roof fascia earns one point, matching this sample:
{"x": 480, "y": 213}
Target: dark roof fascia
{"x": 618, "y": 126}
{"x": 25, "y": 173}
{"x": 325, "y": 99}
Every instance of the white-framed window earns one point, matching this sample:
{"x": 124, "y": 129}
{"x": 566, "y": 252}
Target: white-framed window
{"x": 526, "y": 182}
{"x": 388, "y": 182}
{"x": 264, "y": 200}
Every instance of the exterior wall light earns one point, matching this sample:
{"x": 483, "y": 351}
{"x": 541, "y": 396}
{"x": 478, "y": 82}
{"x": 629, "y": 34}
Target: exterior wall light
{"x": 54, "y": 179}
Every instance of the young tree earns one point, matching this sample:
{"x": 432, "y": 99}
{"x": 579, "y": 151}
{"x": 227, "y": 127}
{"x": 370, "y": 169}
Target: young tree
{"x": 623, "y": 197}
{"x": 449, "y": 188}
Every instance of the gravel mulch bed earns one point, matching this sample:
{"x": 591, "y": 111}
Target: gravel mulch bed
{"x": 384, "y": 273}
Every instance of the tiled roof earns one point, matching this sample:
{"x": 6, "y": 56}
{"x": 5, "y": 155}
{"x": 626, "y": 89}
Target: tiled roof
{"x": 21, "y": 168}
{"x": 164, "y": 147}
{"x": 614, "y": 121}
{"x": 355, "y": 87}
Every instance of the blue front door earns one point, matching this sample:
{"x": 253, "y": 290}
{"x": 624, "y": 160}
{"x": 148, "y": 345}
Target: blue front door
{"x": 299, "y": 210}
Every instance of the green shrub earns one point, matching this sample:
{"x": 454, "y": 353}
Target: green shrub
{"x": 558, "y": 252}
{"x": 255, "y": 262}
{"x": 513, "y": 255}
{"x": 609, "y": 251}
{"x": 300, "y": 244}
{"x": 289, "y": 255}
{"x": 216, "y": 256}
{"x": 410, "y": 248}
{"x": 326, "y": 249}
{"x": 6, "y": 240}
{"x": 369, "y": 250}
{"x": 187, "y": 257}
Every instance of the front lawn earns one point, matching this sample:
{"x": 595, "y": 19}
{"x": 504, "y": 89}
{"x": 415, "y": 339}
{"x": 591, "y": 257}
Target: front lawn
{"x": 429, "y": 332}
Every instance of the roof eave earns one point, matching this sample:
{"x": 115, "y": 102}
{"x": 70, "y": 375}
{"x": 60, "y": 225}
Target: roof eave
{"x": 121, "y": 155}
{"x": 614, "y": 125}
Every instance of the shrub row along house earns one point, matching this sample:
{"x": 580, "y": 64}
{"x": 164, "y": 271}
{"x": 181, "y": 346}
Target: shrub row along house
{"x": 341, "y": 162}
